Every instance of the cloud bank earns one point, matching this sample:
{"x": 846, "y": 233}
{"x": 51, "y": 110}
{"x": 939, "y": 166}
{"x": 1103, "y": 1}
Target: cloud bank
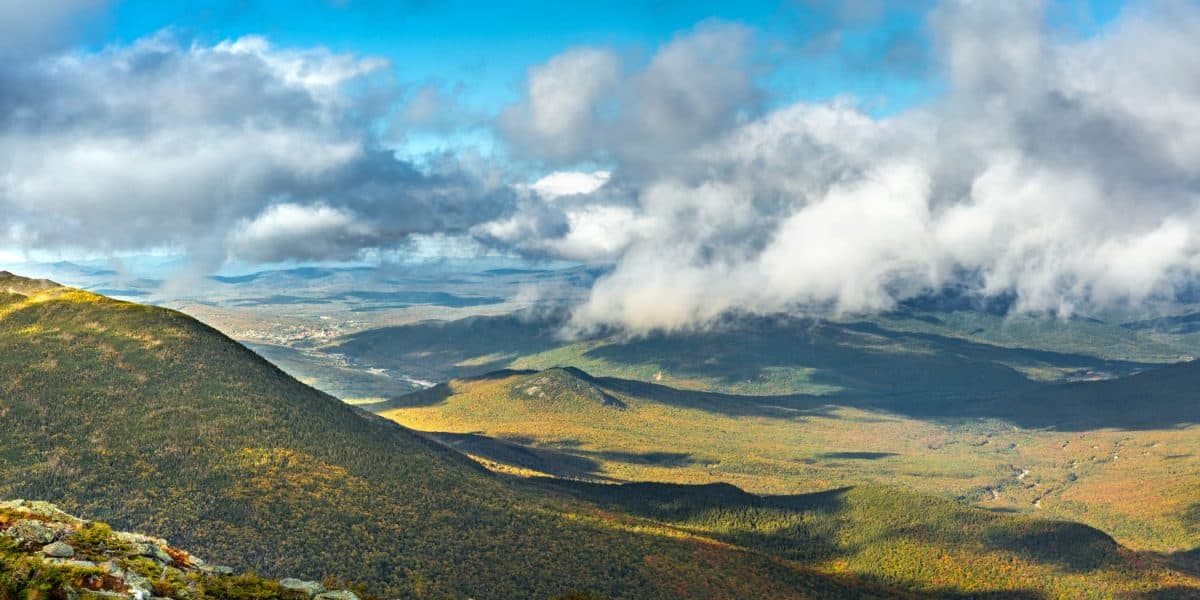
{"x": 1056, "y": 169}
{"x": 234, "y": 150}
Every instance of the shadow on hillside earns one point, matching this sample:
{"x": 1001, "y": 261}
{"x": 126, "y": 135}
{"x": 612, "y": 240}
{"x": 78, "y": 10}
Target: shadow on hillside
{"x": 431, "y": 396}
{"x": 1161, "y": 398}
{"x": 783, "y": 407}
{"x": 1184, "y": 561}
{"x": 811, "y": 527}
{"x": 915, "y": 375}
{"x": 857, "y": 358}
{"x": 855, "y": 455}
{"x": 442, "y": 350}
{"x": 658, "y": 459}
{"x": 1070, "y": 546}
{"x": 567, "y": 461}
{"x": 684, "y": 502}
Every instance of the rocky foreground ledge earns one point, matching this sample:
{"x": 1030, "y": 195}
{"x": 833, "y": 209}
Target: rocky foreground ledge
{"x": 46, "y": 553}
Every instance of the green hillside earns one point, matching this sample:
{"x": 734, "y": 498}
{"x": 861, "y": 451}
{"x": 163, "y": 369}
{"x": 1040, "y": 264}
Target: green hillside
{"x": 147, "y": 419}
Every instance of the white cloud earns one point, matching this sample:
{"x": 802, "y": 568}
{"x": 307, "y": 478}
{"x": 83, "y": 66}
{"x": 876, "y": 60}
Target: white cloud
{"x": 569, "y": 183}
{"x": 285, "y": 231}
{"x": 586, "y": 104}
{"x": 560, "y": 112}
{"x": 164, "y": 144}
{"x": 1054, "y": 169}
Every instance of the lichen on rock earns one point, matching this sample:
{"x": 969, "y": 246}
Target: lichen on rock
{"x": 44, "y": 550}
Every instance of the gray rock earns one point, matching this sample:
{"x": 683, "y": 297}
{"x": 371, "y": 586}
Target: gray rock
{"x": 66, "y": 562}
{"x": 338, "y": 595}
{"x": 138, "y": 538}
{"x": 139, "y": 586}
{"x": 222, "y": 570}
{"x": 41, "y": 509}
{"x": 29, "y": 531}
{"x": 151, "y": 550}
{"x": 58, "y": 550}
{"x": 111, "y": 567}
{"x": 296, "y": 588}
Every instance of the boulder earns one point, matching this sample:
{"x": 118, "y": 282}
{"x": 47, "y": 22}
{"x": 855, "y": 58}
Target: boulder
{"x": 139, "y": 586}
{"x": 134, "y": 538}
{"x": 41, "y": 509}
{"x": 300, "y": 590}
{"x": 151, "y": 550}
{"x": 30, "y": 531}
{"x": 58, "y": 550}
{"x": 338, "y": 595}
{"x": 111, "y": 567}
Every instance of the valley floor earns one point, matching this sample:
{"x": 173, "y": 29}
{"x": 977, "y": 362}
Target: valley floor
{"x": 1141, "y": 486}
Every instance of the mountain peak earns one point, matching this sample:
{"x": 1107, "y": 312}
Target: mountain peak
{"x": 564, "y": 384}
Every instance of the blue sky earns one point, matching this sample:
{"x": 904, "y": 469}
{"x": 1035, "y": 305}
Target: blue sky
{"x": 483, "y": 49}
{"x": 483, "y": 46}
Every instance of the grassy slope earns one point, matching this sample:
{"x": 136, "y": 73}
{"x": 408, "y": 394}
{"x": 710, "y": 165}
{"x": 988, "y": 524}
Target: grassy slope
{"x": 152, "y": 421}
{"x": 1140, "y": 485}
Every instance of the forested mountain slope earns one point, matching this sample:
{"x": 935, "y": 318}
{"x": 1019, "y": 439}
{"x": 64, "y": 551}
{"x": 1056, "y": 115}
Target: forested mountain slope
{"x": 152, "y": 421}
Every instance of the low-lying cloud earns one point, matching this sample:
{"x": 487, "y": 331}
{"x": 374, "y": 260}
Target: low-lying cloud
{"x": 1057, "y": 169}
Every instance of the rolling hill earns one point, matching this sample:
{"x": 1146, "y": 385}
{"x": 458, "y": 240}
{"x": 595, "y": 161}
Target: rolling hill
{"x": 146, "y": 418}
